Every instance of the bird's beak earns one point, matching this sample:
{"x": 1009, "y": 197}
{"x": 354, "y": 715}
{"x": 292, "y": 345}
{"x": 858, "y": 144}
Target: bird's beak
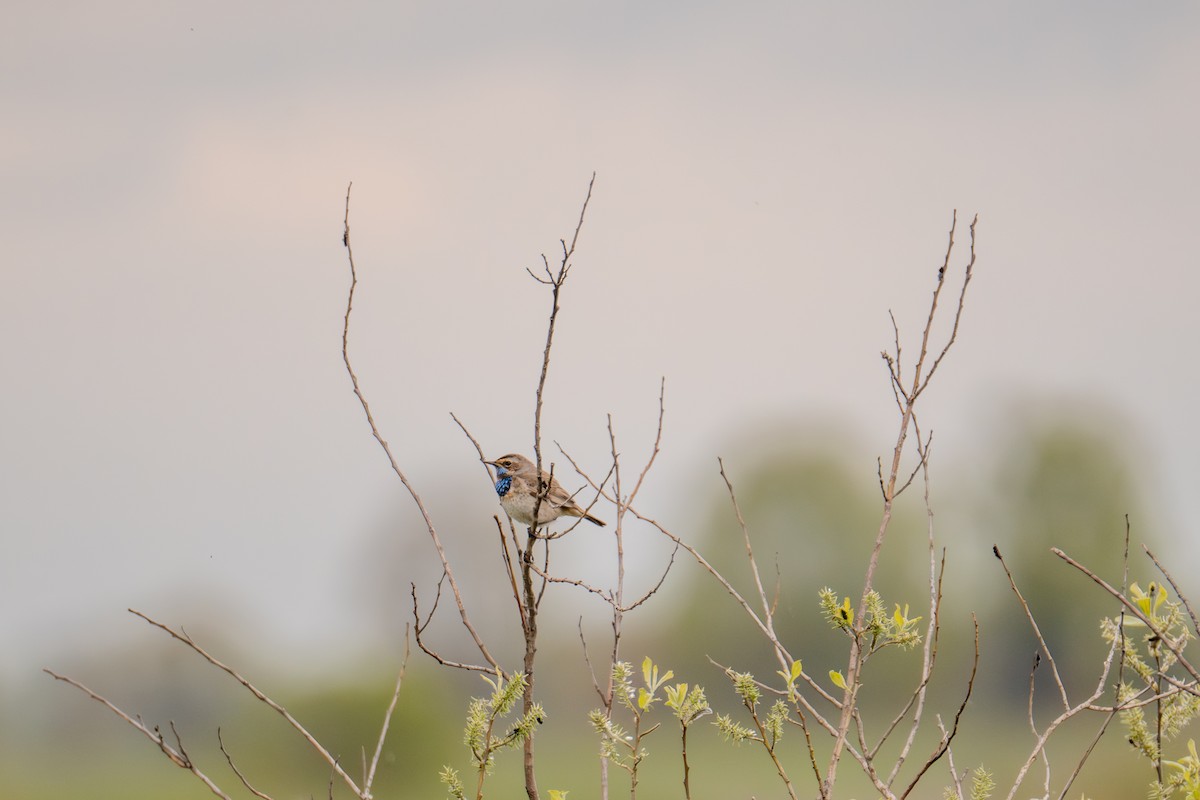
{"x": 489, "y": 463}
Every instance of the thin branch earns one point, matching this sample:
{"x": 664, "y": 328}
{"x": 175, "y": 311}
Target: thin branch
{"x": 1037, "y": 631}
{"x": 588, "y": 660}
{"x": 1173, "y": 646}
{"x": 749, "y": 610}
{"x": 181, "y": 636}
{"x": 607, "y": 594}
{"x": 929, "y": 652}
{"x": 661, "y": 580}
{"x": 1182, "y": 598}
{"x": 387, "y": 716}
{"x": 1108, "y": 718}
{"x": 954, "y": 775}
{"x": 362, "y": 399}
{"x": 175, "y": 754}
{"x": 970, "y": 271}
{"x": 511, "y": 569}
{"x": 419, "y": 628}
{"x": 741, "y": 520}
{"x": 662, "y": 390}
{"x": 1088, "y": 703}
{"x": 918, "y": 695}
{"x": 825, "y": 724}
{"x": 897, "y": 367}
{"x": 556, "y": 283}
{"x": 920, "y": 464}
{"x": 944, "y": 745}
{"x": 768, "y": 616}
{"x": 741, "y": 601}
{"x": 603, "y": 594}
{"x": 474, "y": 441}
{"x": 812, "y": 753}
{"x": 245, "y": 781}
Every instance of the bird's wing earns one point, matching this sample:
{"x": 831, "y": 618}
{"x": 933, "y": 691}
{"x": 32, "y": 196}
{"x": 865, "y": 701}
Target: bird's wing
{"x": 558, "y": 495}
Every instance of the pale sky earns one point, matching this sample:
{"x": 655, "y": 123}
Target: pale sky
{"x": 179, "y": 434}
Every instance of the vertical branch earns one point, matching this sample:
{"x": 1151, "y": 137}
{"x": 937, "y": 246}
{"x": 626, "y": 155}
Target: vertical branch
{"x": 906, "y": 398}
{"x": 929, "y": 652}
{"x": 618, "y": 596}
{"x": 530, "y": 631}
{"x": 555, "y": 280}
{"x": 615, "y": 598}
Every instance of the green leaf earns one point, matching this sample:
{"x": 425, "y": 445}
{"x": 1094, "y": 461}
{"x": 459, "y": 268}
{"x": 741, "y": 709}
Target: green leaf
{"x": 676, "y": 695}
{"x": 837, "y": 679}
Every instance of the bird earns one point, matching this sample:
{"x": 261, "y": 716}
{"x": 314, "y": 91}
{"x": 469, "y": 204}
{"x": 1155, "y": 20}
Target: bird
{"x": 517, "y": 485}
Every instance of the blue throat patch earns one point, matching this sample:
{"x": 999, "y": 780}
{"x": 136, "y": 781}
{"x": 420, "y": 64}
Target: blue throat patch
{"x": 503, "y": 485}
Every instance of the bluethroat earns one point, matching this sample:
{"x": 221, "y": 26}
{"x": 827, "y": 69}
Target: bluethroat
{"x": 517, "y": 485}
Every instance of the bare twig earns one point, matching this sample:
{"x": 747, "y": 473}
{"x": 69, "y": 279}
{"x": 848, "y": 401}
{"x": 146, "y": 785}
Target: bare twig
{"x": 1087, "y": 754}
{"x": 556, "y": 283}
{"x": 768, "y": 617}
{"x": 181, "y": 636}
{"x": 1171, "y": 645}
{"x": 1037, "y": 631}
{"x": 510, "y": 568}
{"x": 944, "y": 744}
{"x": 174, "y": 754}
{"x": 1069, "y": 711}
{"x": 1182, "y": 597}
{"x": 637, "y": 487}
{"x": 653, "y": 590}
{"x": 587, "y": 659}
{"x": 387, "y": 717}
{"x": 419, "y": 628}
{"x": 962, "y": 296}
{"x": 954, "y": 775}
{"x": 918, "y": 697}
{"x": 474, "y": 441}
{"x": 362, "y": 399}
{"x": 245, "y": 781}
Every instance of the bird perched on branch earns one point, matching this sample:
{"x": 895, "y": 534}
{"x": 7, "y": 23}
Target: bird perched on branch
{"x": 517, "y": 485}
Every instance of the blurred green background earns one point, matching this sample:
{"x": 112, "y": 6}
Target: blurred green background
{"x": 1059, "y": 478}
